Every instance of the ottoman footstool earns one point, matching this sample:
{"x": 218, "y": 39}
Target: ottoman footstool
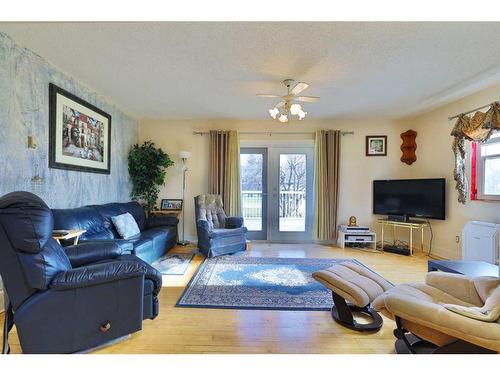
{"x": 353, "y": 288}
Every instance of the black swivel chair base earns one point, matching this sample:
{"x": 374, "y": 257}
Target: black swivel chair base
{"x": 342, "y": 313}
{"x": 408, "y": 343}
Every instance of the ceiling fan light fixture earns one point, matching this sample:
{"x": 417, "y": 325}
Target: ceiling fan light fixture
{"x": 288, "y": 107}
{"x": 283, "y": 118}
{"x": 301, "y": 114}
{"x": 274, "y": 112}
{"x": 295, "y": 109}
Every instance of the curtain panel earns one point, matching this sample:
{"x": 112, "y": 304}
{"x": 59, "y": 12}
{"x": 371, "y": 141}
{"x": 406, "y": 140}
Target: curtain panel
{"x": 224, "y": 169}
{"x": 475, "y": 128}
{"x": 327, "y": 150}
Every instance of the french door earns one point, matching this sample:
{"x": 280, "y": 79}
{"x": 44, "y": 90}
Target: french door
{"x": 277, "y": 193}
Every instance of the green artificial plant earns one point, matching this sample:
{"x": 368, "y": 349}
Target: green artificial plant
{"x": 147, "y": 167}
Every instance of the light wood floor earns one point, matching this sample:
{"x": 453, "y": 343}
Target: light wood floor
{"x": 192, "y": 330}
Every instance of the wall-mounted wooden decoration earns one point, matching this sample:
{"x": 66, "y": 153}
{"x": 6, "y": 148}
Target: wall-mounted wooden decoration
{"x": 408, "y": 147}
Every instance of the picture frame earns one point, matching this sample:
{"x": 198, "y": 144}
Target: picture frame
{"x": 79, "y": 134}
{"x": 171, "y": 204}
{"x": 376, "y": 145}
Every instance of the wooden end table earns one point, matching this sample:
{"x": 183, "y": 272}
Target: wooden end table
{"x": 72, "y": 233}
{"x": 175, "y": 213}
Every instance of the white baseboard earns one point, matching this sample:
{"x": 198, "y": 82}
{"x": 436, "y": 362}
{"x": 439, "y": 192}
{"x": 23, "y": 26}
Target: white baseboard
{"x": 445, "y": 253}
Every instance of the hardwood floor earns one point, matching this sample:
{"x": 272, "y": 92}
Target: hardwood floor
{"x": 192, "y": 330}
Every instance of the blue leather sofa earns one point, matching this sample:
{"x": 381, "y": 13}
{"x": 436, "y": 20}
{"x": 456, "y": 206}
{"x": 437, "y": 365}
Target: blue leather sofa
{"x": 72, "y": 299}
{"x": 218, "y": 234}
{"x": 158, "y": 234}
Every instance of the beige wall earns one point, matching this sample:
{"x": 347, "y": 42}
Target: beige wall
{"x": 357, "y": 170}
{"x": 435, "y": 159}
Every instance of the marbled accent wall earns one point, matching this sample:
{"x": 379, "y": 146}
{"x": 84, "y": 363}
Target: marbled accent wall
{"x": 24, "y": 110}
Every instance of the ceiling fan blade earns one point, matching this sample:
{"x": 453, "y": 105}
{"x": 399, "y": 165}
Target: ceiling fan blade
{"x": 269, "y": 96}
{"x": 280, "y": 104}
{"x": 298, "y": 88}
{"x": 307, "y": 99}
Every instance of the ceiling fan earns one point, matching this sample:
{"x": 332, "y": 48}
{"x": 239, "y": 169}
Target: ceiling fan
{"x": 286, "y": 107}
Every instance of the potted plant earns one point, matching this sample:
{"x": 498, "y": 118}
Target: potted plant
{"x": 147, "y": 167}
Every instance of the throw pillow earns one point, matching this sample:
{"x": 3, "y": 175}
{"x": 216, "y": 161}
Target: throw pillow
{"x": 125, "y": 225}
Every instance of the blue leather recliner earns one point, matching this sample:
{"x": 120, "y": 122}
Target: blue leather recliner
{"x": 72, "y": 299}
{"x": 218, "y": 234}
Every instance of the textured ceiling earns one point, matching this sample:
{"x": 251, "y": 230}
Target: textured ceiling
{"x": 213, "y": 70}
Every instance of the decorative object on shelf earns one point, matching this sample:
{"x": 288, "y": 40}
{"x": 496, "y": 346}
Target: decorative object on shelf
{"x": 79, "y": 134}
{"x": 184, "y": 155}
{"x": 147, "y": 167}
{"x": 409, "y": 146}
{"x": 376, "y": 145}
{"x": 285, "y": 109}
{"x": 352, "y": 221}
{"x": 171, "y": 204}
{"x": 477, "y": 128}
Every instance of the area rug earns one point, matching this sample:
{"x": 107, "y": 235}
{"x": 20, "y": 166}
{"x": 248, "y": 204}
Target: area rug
{"x": 229, "y": 282}
{"x": 173, "y": 264}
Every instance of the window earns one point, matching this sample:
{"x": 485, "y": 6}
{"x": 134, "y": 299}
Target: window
{"x": 488, "y": 169}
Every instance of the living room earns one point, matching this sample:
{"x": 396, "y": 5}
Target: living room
{"x": 249, "y": 187}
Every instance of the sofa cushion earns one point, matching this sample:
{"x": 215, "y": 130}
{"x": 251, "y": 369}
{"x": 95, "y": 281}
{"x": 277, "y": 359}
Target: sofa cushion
{"x": 142, "y": 244}
{"x": 220, "y": 232}
{"x": 125, "y": 225}
{"x": 85, "y": 218}
{"x": 107, "y": 211}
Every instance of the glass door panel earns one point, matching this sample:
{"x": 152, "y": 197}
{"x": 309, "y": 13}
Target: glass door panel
{"x": 292, "y": 192}
{"x": 253, "y": 174}
{"x": 291, "y": 203}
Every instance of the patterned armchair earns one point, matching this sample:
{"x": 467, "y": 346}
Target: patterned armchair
{"x": 218, "y": 234}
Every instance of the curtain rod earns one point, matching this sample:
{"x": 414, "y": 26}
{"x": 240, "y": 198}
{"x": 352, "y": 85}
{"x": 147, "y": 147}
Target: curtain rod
{"x": 271, "y": 133}
{"x": 472, "y": 110}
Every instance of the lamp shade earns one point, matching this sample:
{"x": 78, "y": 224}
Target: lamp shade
{"x": 184, "y": 154}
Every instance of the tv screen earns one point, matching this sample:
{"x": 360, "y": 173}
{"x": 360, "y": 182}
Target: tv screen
{"x": 412, "y": 198}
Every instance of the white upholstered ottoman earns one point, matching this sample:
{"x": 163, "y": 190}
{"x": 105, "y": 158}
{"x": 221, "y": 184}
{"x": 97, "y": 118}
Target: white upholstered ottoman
{"x": 354, "y": 287}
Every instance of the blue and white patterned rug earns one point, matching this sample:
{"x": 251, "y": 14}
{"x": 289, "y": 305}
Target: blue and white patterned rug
{"x": 232, "y": 282}
{"x": 173, "y": 264}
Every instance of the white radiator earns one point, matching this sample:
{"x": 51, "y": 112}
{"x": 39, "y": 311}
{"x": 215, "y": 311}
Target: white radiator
{"x": 481, "y": 241}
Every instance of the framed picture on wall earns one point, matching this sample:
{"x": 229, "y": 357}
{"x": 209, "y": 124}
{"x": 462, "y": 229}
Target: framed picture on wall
{"x": 171, "y": 204}
{"x": 79, "y": 134}
{"x": 376, "y": 145}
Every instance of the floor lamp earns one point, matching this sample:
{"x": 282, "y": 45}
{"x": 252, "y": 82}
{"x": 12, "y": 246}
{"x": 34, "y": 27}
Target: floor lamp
{"x": 184, "y": 155}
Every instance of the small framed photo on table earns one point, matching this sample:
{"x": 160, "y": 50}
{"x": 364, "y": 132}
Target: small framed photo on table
{"x": 376, "y": 145}
{"x": 171, "y": 204}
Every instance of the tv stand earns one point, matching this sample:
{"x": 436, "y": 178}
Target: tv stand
{"x": 398, "y": 218}
{"x": 411, "y": 225}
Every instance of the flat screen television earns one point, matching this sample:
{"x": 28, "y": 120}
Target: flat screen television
{"x": 423, "y": 198}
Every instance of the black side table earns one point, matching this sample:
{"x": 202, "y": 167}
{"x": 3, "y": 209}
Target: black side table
{"x": 472, "y": 268}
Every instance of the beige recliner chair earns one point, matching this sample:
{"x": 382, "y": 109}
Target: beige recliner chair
{"x": 450, "y": 313}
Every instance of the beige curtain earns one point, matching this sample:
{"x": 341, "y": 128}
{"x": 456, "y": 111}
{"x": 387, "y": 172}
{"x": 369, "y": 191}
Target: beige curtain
{"x": 327, "y": 151}
{"x": 224, "y": 169}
